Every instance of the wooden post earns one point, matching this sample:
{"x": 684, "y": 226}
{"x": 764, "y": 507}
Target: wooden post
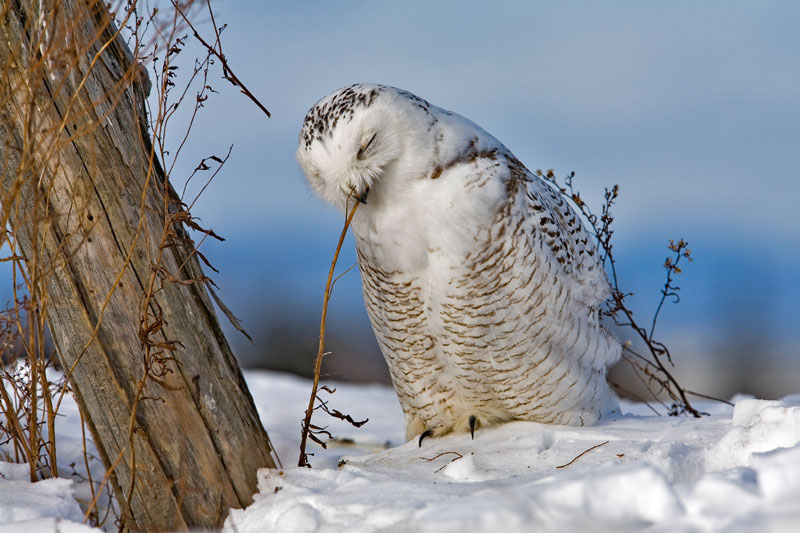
{"x": 86, "y": 201}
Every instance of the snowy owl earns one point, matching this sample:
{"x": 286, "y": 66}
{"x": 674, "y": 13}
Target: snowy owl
{"x": 481, "y": 283}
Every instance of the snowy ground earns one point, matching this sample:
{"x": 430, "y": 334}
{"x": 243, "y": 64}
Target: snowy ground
{"x": 50, "y": 505}
{"x": 737, "y": 470}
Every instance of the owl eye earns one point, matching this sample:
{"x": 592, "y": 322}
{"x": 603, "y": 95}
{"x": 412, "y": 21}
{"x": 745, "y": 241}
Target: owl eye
{"x": 365, "y": 147}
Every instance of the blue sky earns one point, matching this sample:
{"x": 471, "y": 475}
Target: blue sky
{"x": 680, "y": 105}
{"x": 692, "y": 108}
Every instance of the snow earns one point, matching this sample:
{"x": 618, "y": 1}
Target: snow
{"x": 47, "y": 505}
{"x": 51, "y": 505}
{"x": 736, "y": 470}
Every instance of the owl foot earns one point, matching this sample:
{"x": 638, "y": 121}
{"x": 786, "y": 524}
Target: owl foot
{"x": 426, "y": 433}
{"x": 471, "y": 422}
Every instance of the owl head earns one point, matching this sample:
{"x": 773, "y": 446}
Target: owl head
{"x": 361, "y": 141}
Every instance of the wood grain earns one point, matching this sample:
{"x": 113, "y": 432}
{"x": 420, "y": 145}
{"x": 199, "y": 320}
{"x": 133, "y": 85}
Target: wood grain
{"x": 198, "y": 439}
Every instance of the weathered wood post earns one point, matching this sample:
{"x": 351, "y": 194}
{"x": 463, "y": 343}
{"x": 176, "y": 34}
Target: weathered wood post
{"x": 86, "y": 202}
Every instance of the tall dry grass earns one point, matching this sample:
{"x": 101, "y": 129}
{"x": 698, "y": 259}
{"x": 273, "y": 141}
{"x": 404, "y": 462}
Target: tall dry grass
{"x": 175, "y": 65}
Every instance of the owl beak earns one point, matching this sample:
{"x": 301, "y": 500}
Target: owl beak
{"x": 363, "y": 196}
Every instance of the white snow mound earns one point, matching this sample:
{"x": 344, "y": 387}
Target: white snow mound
{"x": 737, "y": 469}
{"x": 44, "y": 506}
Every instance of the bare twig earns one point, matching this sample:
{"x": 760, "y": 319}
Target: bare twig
{"x": 351, "y": 267}
{"x": 618, "y": 309}
{"x": 429, "y": 459}
{"x": 226, "y": 70}
{"x": 584, "y": 453}
{"x": 438, "y": 455}
{"x": 307, "y": 426}
{"x": 29, "y": 69}
{"x": 635, "y": 396}
{"x": 707, "y": 397}
{"x": 93, "y": 514}
{"x": 451, "y": 461}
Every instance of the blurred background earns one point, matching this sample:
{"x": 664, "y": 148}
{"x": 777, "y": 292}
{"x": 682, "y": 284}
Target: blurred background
{"x": 692, "y": 108}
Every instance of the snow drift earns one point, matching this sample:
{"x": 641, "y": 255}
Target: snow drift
{"x": 737, "y": 469}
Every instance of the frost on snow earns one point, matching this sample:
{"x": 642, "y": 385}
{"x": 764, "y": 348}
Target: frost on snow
{"x": 738, "y": 469}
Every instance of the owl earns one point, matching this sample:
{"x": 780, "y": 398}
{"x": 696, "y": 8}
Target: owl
{"x": 481, "y": 283}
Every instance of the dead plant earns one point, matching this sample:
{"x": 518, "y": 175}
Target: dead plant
{"x": 309, "y": 430}
{"x": 30, "y": 73}
{"x": 652, "y": 368}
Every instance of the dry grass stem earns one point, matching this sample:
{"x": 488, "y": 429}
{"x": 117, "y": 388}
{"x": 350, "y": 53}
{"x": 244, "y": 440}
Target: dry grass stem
{"x": 66, "y": 77}
{"x": 652, "y": 370}
{"x": 584, "y": 453}
{"x": 308, "y": 429}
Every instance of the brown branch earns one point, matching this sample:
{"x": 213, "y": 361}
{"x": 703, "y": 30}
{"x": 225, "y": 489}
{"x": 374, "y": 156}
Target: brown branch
{"x": 227, "y": 73}
{"x": 635, "y": 396}
{"x": 602, "y": 228}
{"x": 654, "y": 351}
{"x": 429, "y": 459}
{"x": 584, "y": 453}
{"x": 95, "y": 516}
{"x": 303, "y": 460}
{"x": 93, "y": 504}
{"x": 454, "y": 459}
{"x": 351, "y": 267}
{"x": 707, "y": 397}
{"x": 32, "y": 159}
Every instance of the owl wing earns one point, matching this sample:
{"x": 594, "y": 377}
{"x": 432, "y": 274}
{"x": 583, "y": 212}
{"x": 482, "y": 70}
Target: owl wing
{"x": 518, "y": 320}
{"x": 559, "y": 231}
{"x": 488, "y": 170}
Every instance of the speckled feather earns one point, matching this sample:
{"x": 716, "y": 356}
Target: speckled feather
{"x": 480, "y": 281}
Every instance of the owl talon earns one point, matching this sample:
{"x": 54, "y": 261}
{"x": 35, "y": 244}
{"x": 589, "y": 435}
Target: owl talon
{"x": 426, "y": 433}
{"x": 472, "y": 422}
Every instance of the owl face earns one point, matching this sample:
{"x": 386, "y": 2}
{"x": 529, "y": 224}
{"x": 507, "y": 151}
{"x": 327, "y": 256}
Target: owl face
{"x": 352, "y": 143}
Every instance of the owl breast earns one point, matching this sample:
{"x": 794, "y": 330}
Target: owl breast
{"x": 473, "y": 310}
